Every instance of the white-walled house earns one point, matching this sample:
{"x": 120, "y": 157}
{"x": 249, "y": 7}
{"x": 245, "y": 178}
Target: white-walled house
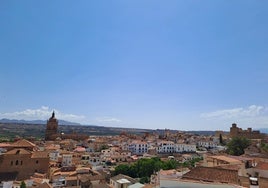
{"x": 92, "y": 160}
{"x": 54, "y": 155}
{"x": 138, "y": 147}
{"x": 181, "y": 148}
{"x": 170, "y": 147}
{"x": 67, "y": 160}
{"x": 207, "y": 144}
{"x": 165, "y": 147}
{"x": 121, "y": 181}
{"x": 6, "y": 184}
{"x": 95, "y": 161}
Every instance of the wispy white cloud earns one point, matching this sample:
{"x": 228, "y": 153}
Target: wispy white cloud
{"x": 251, "y": 111}
{"x": 252, "y": 116}
{"x": 42, "y": 113}
{"x": 108, "y": 120}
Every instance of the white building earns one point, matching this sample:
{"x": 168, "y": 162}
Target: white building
{"x": 90, "y": 149}
{"x": 121, "y": 181}
{"x": 93, "y": 161}
{"x": 67, "y": 160}
{"x": 207, "y": 144}
{"x": 170, "y": 147}
{"x": 54, "y": 155}
{"x": 138, "y": 147}
{"x": 2, "y": 150}
{"x": 59, "y": 182}
{"x": 6, "y": 184}
{"x": 166, "y": 147}
{"x": 181, "y": 148}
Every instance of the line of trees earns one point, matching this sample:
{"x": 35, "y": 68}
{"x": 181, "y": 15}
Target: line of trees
{"x": 144, "y": 168}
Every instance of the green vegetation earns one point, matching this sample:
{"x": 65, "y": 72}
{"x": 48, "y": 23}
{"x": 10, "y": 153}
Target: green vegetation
{"x": 22, "y": 185}
{"x": 222, "y": 142}
{"x": 192, "y": 162}
{"x": 144, "y": 168}
{"x": 4, "y": 139}
{"x": 264, "y": 147}
{"x": 237, "y": 145}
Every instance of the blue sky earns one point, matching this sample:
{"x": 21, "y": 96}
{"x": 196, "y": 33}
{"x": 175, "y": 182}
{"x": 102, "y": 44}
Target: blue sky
{"x": 185, "y": 65}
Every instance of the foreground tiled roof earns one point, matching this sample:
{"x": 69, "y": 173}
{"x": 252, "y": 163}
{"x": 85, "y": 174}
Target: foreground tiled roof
{"x": 44, "y": 185}
{"x": 226, "y": 159}
{"x": 4, "y": 145}
{"x": 230, "y": 166}
{"x": 23, "y": 143}
{"x": 18, "y": 152}
{"x": 53, "y": 147}
{"x": 212, "y": 175}
{"x": 262, "y": 165}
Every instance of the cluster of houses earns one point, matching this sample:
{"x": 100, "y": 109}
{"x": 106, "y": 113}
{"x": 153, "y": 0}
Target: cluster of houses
{"x": 63, "y": 163}
{"x": 89, "y": 163}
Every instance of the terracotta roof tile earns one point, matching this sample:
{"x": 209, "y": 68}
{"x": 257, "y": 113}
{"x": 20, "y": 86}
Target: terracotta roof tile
{"x": 262, "y": 165}
{"x": 44, "y": 185}
{"x": 4, "y": 145}
{"x": 230, "y": 166}
{"x": 18, "y": 152}
{"x": 53, "y": 147}
{"x": 212, "y": 175}
{"x": 23, "y": 143}
{"x": 40, "y": 154}
{"x": 225, "y": 158}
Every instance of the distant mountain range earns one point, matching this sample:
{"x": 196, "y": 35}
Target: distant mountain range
{"x": 61, "y": 122}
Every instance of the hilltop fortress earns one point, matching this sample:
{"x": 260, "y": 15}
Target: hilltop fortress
{"x": 249, "y": 133}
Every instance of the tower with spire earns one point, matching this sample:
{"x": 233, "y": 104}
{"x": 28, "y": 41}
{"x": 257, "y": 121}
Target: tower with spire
{"x": 52, "y": 127}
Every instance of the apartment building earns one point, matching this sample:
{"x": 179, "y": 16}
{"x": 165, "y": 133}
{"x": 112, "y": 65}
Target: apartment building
{"x": 138, "y": 147}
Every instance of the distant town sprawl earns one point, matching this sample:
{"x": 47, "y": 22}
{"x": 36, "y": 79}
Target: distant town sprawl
{"x": 156, "y": 158}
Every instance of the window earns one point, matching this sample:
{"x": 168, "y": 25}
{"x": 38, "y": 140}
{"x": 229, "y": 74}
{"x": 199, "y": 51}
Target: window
{"x": 17, "y": 162}
{"x": 11, "y": 163}
{"x": 36, "y": 161}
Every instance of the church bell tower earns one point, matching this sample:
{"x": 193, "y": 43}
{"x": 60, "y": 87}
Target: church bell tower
{"x": 52, "y": 127}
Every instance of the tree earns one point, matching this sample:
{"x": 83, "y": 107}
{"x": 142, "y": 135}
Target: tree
{"x": 237, "y": 145}
{"x": 22, "y": 185}
{"x": 221, "y": 140}
{"x": 171, "y": 164}
{"x": 264, "y": 147}
{"x": 144, "y": 180}
{"x": 122, "y": 169}
{"x": 144, "y": 168}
